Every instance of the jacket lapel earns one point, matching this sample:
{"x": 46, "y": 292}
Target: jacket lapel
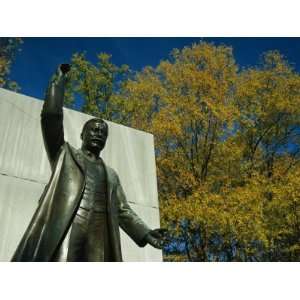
{"x": 78, "y": 157}
{"x": 109, "y": 183}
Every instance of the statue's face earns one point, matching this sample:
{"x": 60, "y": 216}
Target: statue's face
{"x": 94, "y": 135}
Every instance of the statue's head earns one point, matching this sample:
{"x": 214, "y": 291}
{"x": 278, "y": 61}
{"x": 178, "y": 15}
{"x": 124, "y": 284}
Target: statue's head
{"x": 94, "y": 135}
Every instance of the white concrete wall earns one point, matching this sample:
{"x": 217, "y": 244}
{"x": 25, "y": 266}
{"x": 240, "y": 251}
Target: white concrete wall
{"x": 24, "y": 170}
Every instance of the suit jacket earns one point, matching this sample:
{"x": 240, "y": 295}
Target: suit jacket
{"x": 59, "y": 203}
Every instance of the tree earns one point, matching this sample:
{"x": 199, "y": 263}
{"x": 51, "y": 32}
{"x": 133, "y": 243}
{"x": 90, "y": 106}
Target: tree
{"x": 8, "y": 49}
{"x": 227, "y": 147}
{"x": 268, "y": 98}
{"x": 94, "y": 84}
{"x": 221, "y": 135}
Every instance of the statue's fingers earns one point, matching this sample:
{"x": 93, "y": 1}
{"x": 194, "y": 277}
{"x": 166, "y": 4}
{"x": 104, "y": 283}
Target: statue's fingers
{"x": 155, "y": 233}
{"x": 160, "y": 245}
{"x": 156, "y": 243}
{"x": 162, "y": 230}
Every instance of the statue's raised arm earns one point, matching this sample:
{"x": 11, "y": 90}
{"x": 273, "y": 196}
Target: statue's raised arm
{"x": 52, "y": 113}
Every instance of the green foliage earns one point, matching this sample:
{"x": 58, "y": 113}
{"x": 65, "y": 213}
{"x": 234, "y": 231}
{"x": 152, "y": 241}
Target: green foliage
{"x": 8, "y": 48}
{"x": 94, "y": 84}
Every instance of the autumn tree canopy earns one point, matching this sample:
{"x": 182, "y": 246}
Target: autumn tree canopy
{"x": 226, "y": 142}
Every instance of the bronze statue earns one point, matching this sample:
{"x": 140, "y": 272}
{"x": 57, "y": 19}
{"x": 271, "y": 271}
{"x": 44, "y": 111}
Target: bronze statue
{"x": 83, "y": 205}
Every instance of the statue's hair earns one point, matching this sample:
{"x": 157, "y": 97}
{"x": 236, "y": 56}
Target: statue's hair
{"x": 98, "y": 120}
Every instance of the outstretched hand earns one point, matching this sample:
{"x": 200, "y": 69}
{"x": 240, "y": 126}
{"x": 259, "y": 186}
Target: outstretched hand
{"x": 157, "y": 238}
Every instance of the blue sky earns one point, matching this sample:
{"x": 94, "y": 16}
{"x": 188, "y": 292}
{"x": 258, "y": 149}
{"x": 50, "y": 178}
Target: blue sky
{"x": 39, "y": 57}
